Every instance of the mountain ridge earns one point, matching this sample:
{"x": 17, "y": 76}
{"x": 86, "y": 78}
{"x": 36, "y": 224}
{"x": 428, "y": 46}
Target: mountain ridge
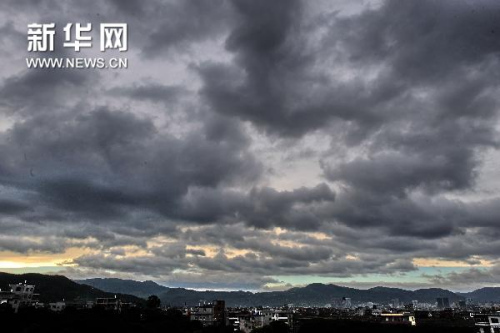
{"x": 485, "y": 294}
{"x": 141, "y": 289}
{"x": 313, "y": 294}
{"x": 53, "y": 288}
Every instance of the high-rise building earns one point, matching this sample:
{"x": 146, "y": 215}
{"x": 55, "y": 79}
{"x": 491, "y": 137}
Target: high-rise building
{"x": 346, "y": 302}
{"x": 443, "y": 302}
{"x": 395, "y": 303}
{"x": 439, "y": 302}
{"x": 210, "y": 314}
{"x": 446, "y": 302}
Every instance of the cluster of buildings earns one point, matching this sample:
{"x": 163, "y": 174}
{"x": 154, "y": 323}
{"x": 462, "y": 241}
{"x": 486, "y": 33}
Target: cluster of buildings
{"x": 442, "y": 303}
{"x": 209, "y": 314}
{"x": 241, "y": 319}
{"x": 485, "y": 317}
{"x": 246, "y": 319}
{"x": 340, "y": 303}
{"x": 23, "y": 295}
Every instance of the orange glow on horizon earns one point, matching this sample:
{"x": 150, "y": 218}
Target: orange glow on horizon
{"x": 431, "y": 262}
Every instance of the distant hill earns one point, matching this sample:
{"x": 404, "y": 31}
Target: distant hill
{"x": 430, "y": 295}
{"x": 131, "y": 287}
{"x": 489, "y": 294}
{"x": 54, "y": 288}
{"x": 313, "y": 294}
{"x": 181, "y": 296}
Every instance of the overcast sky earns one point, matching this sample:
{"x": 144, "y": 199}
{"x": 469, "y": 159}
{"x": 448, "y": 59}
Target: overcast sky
{"x": 257, "y": 144}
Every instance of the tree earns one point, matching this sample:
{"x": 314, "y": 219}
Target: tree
{"x": 153, "y": 302}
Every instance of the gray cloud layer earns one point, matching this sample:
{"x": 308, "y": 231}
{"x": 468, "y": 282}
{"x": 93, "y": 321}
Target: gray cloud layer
{"x": 173, "y": 162}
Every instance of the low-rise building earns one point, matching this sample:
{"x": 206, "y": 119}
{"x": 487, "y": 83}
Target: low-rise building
{"x": 398, "y": 318}
{"x": 488, "y": 324}
{"x": 57, "y": 306}
{"x": 210, "y": 314}
{"x": 114, "y": 304}
{"x": 20, "y": 295}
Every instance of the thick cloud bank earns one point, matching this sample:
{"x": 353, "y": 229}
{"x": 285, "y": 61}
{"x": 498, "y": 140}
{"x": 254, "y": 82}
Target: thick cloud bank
{"x": 252, "y": 140}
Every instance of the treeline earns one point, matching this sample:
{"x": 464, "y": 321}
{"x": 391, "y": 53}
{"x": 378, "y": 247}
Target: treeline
{"x": 352, "y": 326}
{"x": 70, "y": 320}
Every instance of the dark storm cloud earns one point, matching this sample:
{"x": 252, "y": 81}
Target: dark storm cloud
{"x": 442, "y": 32}
{"x": 10, "y": 39}
{"x": 152, "y": 265}
{"x": 152, "y": 92}
{"x": 26, "y": 245}
{"x": 472, "y": 276}
{"x": 40, "y": 89}
{"x": 12, "y": 207}
{"x": 338, "y": 267}
{"x": 130, "y": 7}
{"x": 398, "y": 216}
{"x": 272, "y": 82}
{"x": 258, "y": 241}
{"x": 104, "y": 163}
{"x": 395, "y": 172}
{"x": 295, "y": 253}
{"x": 261, "y": 207}
{"x": 184, "y": 22}
{"x": 268, "y": 61}
{"x": 286, "y": 209}
{"x": 443, "y": 110}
